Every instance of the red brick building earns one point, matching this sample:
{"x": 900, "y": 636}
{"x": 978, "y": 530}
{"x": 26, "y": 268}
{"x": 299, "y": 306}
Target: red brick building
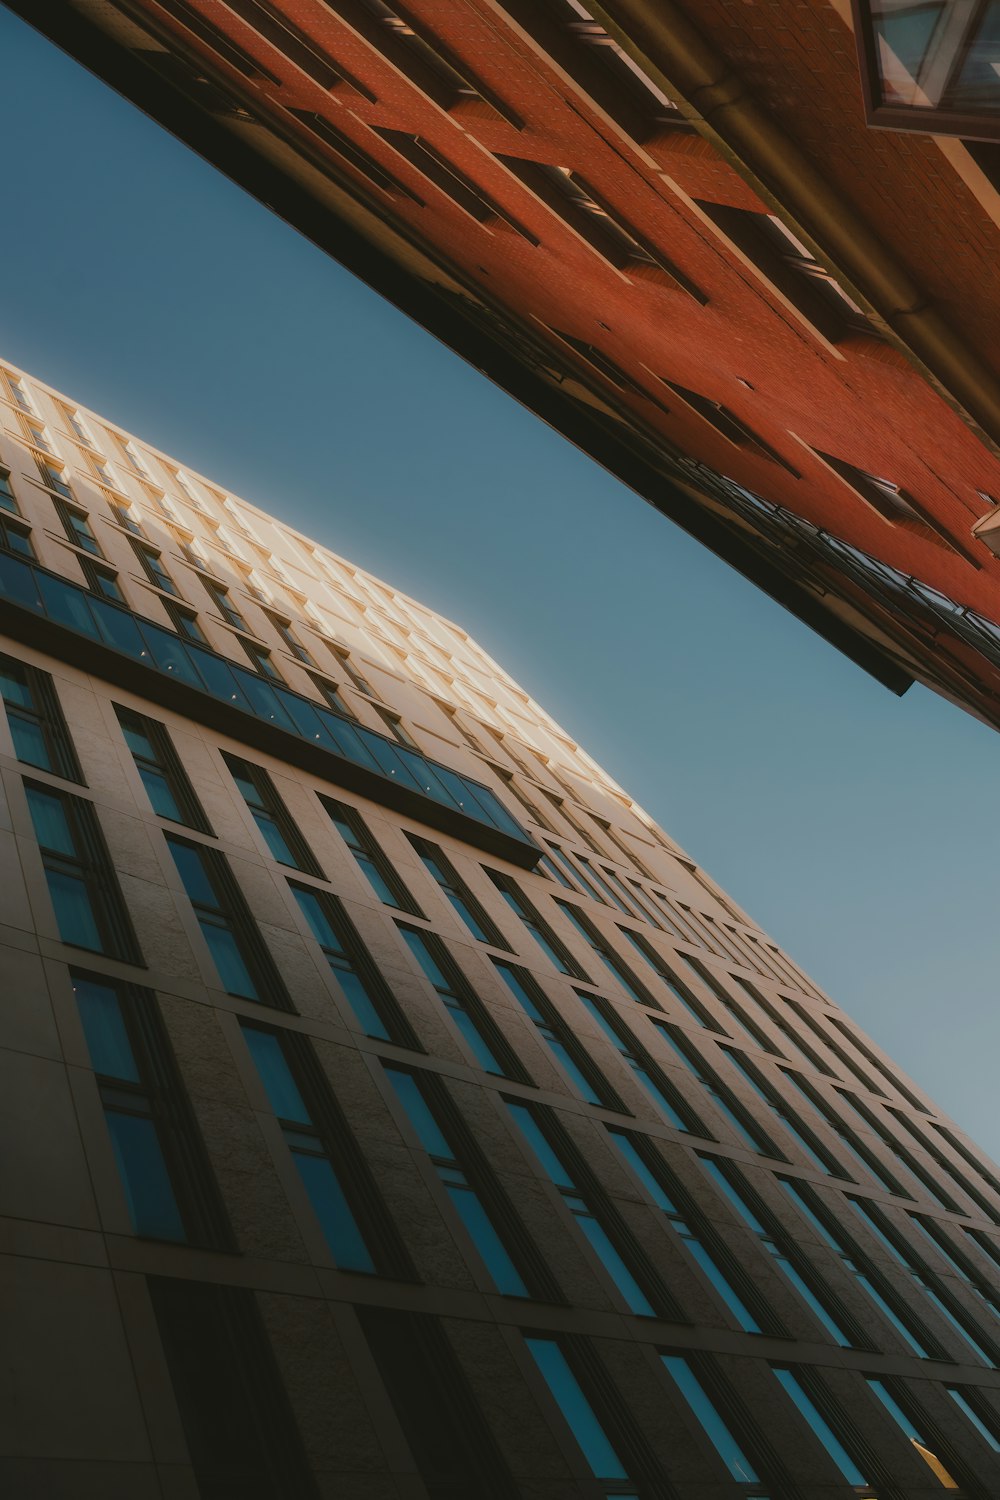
{"x": 673, "y": 232}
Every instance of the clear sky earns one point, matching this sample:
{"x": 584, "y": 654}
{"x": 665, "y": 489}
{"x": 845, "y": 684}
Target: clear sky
{"x": 854, "y": 826}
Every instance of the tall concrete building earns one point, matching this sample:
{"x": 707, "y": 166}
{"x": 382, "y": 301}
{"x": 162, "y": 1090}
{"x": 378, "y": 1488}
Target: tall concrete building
{"x": 745, "y": 266}
{"x": 391, "y": 1110}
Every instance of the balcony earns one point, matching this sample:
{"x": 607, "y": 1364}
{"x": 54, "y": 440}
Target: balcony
{"x": 110, "y": 642}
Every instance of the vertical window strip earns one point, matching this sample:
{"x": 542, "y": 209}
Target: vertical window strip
{"x": 371, "y": 1000}
{"x": 921, "y": 1444}
{"x": 901, "y": 1154}
{"x": 669, "y": 1101}
{"x": 537, "y": 926}
{"x": 595, "y": 1217}
{"x": 593, "y": 1441}
{"x": 368, "y": 855}
{"x": 166, "y": 1178}
{"x": 700, "y": 1242}
{"x": 164, "y": 779}
{"x": 855, "y": 1148}
{"x": 36, "y": 721}
{"x": 337, "y": 1181}
{"x": 473, "y": 1021}
{"x": 476, "y": 1199}
{"x": 799, "y": 1046}
{"x": 615, "y": 966}
{"x": 988, "y": 1429}
{"x": 243, "y": 961}
{"x": 83, "y": 887}
{"x": 271, "y": 817}
{"x": 721, "y": 1095}
{"x": 457, "y": 893}
{"x": 778, "y": 1106}
{"x": 783, "y": 1251}
{"x": 558, "y": 1036}
{"x": 911, "y": 1127}
{"x": 709, "y": 1418}
{"x": 845, "y": 1463}
{"x": 876, "y": 1288}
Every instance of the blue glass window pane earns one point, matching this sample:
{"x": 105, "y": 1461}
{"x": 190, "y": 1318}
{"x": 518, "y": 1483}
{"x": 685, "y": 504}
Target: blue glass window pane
{"x": 104, "y": 1029}
{"x": 69, "y": 605}
{"x": 378, "y": 882}
{"x": 715, "y": 1429}
{"x": 576, "y": 1409}
{"x": 356, "y": 744}
{"x": 895, "y": 1410}
{"x": 550, "y": 1162}
{"x": 391, "y": 764}
{"x": 418, "y": 1113}
{"x": 137, "y": 741}
{"x": 809, "y": 1297}
{"x": 160, "y": 796}
{"x": 732, "y": 1299}
{"x": 302, "y": 714}
{"x": 193, "y": 873}
{"x": 275, "y": 840}
{"x": 14, "y": 688}
{"x": 457, "y": 786}
{"x": 74, "y": 913}
{"x": 639, "y": 1167}
{"x": 425, "y": 773}
{"x": 51, "y": 824}
{"x": 29, "y": 743}
{"x": 486, "y": 1240}
{"x": 281, "y": 1089}
{"x": 722, "y": 1182}
{"x": 496, "y": 813}
{"x": 19, "y": 582}
{"x": 616, "y": 1268}
{"x": 974, "y": 1418}
{"x": 476, "y": 1042}
{"x": 425, "y": 958}
{"x": 218, "y": 676}
{"x": 169, "y": 654}
{"x": 360, "y": 1001}
{"x": 660, "y": 1099}
{"x": 569, "y": 1067}
{"x": 148, "y": 1189}
{"x": 838, "y": 1453}
{"x": 316, "y": 917}
{"x": 331, "y": 1209}
{"x": 233, "y": 972}
{"x": 117, "y": 627}
{"x": 263, "y": 700}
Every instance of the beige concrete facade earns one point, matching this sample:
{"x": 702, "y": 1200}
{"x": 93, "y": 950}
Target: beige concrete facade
{"x": 772, "y": 1081}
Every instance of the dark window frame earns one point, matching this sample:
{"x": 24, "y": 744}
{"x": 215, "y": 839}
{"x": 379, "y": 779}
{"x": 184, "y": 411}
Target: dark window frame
{"x": 47, "y": 716}
{"x": 168, "y": 764}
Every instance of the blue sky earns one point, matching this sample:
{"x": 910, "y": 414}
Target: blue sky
{"x": 851, "y": 824}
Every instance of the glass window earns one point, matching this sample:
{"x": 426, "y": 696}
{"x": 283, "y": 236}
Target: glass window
{"x": 705, "y": 1410}
{"x": 78, "y": 528}
{"x": 582, "y": 1210}
{"x": 615, "y": 966}
{"x": 164, "y": 1172}
{"x": 577, "y": 1411}
{"x": 369, "y": 997}
{"x": 779, "y": 1108}
{"x": 15, "y": 538}
{"x": 309, "y": 1151}
{"x": 457, "y": 892}
{"x": 849, "y": 1470}
{"x": 962, "y": 1400}
{"x": 8, "y": 500}
{"x": 170, "y": 793}
{"x": 79, "y": 874}
{"x": 153, "y": 567}
{"x": 244, "y": 965}
{"x": 920, "y": 1443}
{"x": 223, "y": 602}
{"x": 274, "y": 824}
{"x": 462, "y": 1182}
{"x": 261, "y": 659}
{"x": 540, "y": 931}
{"x": 555, "y": 1033}
{"x": 37, "y": 726}
{"x": 369, "y": 857}
{"x": 723, "y": 1098}
{"x": 681, "y": 1219}
{"x": 465, "y": 1009}
{"x": 666, "y": 1098}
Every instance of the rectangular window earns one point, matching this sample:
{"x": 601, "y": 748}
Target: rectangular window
{"x": 371, "y": 1000}
{"x": 738, "y": 1023}
{"x": 709, "y": 1418}
{"x": 102, "y": 581}
{"x": 284, "y": 630}
{"x": 805, "y": 1139}
{"x": 536, "y": 925}
{"x": 334, "y": 1174}
{"x": 876, "y": 1124}
{"x": 451, "y": 181}
{"x": 846, "y": 1465}
{"x": 8, "y": 500}
{"x": 669, "y": 1101}
{"x": 261, "y": 660}
{"x": 684, "y": 996}
{"x": 595, "y": 1217}
{"x": 429, "y": 64}
{"x": 928, "y": 1450}
{"x": 795, "y": 1045}
{"x": 987, "y": 1427}
{"x": 222, "y": 599}
{"x": 164, "y": 1168}
{"x": 876, "y": 1288}
{"x": 455, "y": 1453}
{"x": 332, "y": 697}
{"x": 245, "y": 966}
{"x": 369, "y": 857}
{"x": 728, "y": 424}
{"x": 579, "y": 1415}
{"x": 721, "y": 1095}
{"x": 170, "y": 793}
{"x": 558, "y": 1036}
{"x": 83, "y": 887}
{"x": 457, "y": 893}
{"x": 53, "y": 477}
{"x": 127, "y": 516}
{"x": 782, "y": 1250}
{"x": 35, "y": 718}
{"x": 702, "y": 1244}
{"x": 473, "y": 1021}
{"x": 615, "y": 966}
{"x": 233, "y": 1405}
{"x": 78, "y": 528}
{"x": 348, "y": 151}
{"x": 152, "y": 566}
{"x": 185, "y": 622}
{"x": 18, "y": 391}
{"x": 472, "y": 1191}
{"x": 273, "y": 821}
{"x": 854, "y": 1147}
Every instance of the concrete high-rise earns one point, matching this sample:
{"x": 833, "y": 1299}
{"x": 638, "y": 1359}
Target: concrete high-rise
{"x": 390, "y": 1108}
